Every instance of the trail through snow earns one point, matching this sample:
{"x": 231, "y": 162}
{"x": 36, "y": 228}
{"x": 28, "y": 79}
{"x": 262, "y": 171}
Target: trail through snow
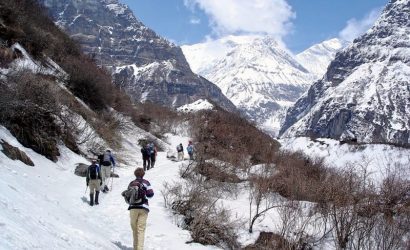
{"x": 46, "y": 207}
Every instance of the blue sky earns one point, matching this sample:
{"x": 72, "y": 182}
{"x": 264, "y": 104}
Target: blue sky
{"x": 297, "y": 23}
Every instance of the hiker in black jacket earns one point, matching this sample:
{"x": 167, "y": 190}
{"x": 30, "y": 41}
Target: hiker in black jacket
{"x": 146, "y": 157}
{"x": 94, "y": 180}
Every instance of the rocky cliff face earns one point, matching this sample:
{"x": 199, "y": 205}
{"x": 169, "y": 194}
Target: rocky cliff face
{"x": 365, "y": 93}
{"x": 147, "y": 66}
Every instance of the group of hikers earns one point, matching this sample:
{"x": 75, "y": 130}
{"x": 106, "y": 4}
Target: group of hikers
{"x": 149, "y": 155}
{"x": 189, "y": 149}
{"x": 98, "y": 175}
{"x": 138, "y": 191}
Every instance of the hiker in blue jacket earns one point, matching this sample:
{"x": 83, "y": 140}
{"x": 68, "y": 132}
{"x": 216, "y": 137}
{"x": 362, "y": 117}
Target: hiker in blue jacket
{"x": 108, "y": 162}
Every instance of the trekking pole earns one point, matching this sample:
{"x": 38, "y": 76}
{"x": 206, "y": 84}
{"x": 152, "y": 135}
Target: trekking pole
{"x": 112, "y": 178}
{"x": 86, "y": 189}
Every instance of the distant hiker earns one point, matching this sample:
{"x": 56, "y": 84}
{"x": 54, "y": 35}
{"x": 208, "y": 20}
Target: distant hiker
{"x": 180, "y": 150}
{"x": 94, "y": 181}
{"x": 136, "y": 195}
{"x": 190, "y": 150}
{"x": 153, "y": 153}
{"x": 146, "y": 157}
{"x": 107, "y": 163}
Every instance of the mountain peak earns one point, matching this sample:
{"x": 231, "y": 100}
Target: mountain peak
{"x": 147, "y": 66}
{"x": 317, "y": 57}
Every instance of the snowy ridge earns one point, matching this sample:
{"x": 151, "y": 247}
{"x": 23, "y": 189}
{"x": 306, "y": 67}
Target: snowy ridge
{"x": 317, "y": 58}
{"x": 365, "y": 93}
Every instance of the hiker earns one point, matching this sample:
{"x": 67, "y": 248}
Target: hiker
{"x": 153, "y": 153}
{"x": 146, "y": 157}
{"x": 190, "y": 150}
{"x": 180, "y": 150}
{"x": 108, "y": 162}
{"x": 139, "y": 207}
{"x": 94, "y": 181}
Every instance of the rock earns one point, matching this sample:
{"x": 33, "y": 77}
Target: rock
{"x": 15, "y": 153}
{"x": 81, "y": 170}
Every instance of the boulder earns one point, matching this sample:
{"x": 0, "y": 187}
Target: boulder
{"x": 81, "y": 169}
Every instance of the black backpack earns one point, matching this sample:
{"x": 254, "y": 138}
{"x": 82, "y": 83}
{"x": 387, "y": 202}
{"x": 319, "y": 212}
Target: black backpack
{"x": 135, "y": 195}
{"x": 93, "y": 172}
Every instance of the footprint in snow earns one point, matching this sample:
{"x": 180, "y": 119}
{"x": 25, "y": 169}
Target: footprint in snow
{"x": 121, "y": 246}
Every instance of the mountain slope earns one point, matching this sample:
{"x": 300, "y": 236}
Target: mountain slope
{"x": 365, "y": 94}
{"x": 254, "y": 72}
{"x": 147, "y": 66}
{"x": 317, "y": 58}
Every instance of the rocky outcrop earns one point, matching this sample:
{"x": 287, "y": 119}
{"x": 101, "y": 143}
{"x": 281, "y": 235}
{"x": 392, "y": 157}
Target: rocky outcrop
{"x": 146, "y": 66}
{"x": 365, "y": 94}
{"x": 15, "y": 154}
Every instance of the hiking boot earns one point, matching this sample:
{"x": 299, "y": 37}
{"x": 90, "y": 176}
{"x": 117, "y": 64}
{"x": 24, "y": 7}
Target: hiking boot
{"x": 91, "y": 199}
{"x": 96, "y": 197}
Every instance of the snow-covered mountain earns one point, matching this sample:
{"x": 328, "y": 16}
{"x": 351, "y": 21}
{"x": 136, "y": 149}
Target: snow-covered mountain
{"x": 144, "y": 64}
{"x": 254, "y": 72}
{"x": 317, "y": 58}
{"x": 365, "y": 94}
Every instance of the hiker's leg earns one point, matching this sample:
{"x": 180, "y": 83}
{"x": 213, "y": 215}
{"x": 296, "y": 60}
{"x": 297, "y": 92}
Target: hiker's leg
{"x": 141, "y": 224}
{"x": 134, "y": 226}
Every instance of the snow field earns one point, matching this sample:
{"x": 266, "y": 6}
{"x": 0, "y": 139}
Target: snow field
{"x": 45, "y": 207}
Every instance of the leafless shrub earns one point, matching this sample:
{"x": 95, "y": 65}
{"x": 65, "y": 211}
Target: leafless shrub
{"x": 298, "y": 177}
{"x": 197, "y": 201}
{"x": 231, "y": 139}
{"x": 268, "y": 241}
{"x": 90, "y": 83}
{"x": 29, "y": 107}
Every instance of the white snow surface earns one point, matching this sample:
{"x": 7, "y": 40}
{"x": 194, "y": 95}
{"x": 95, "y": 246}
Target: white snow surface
{"x": 198, "y": 105}
{"x": 45, "y": 207}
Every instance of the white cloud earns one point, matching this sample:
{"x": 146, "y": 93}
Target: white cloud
{"x": 271, "y": 17}
{"x": 354, "y": 28}
{"x": 195, "y": 20}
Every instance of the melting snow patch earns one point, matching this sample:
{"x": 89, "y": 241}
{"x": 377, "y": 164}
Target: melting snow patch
{"x": 200, "y": 104}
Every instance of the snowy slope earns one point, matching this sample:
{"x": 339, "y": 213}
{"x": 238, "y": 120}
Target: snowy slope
{"x": 317, "y": 58}
{"x": 44, "y": 207}
{"x": 378, "y": 159}
{"x": 254, "y": 72}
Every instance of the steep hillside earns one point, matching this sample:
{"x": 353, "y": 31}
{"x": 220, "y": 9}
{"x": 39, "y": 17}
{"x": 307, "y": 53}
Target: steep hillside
{"x": 147, "y": 66}
{"x": 365, "y": 94}
{"x": 254, "y": 72}
{"x": 52, "y": 94}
